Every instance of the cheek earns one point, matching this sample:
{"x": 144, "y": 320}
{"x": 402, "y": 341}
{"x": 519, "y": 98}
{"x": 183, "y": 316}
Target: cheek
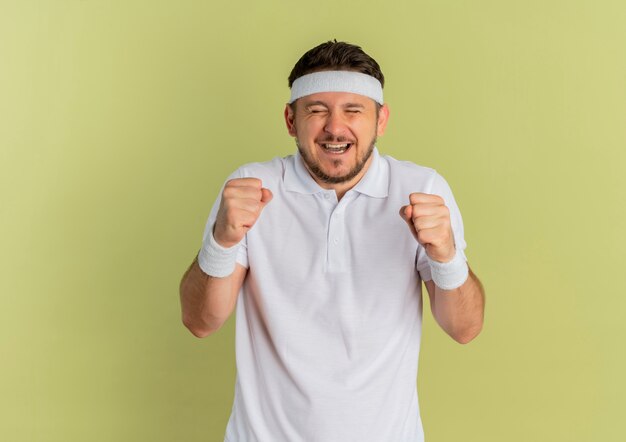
{"x": 364, "y": 130}
{"x": 309, "y": 129}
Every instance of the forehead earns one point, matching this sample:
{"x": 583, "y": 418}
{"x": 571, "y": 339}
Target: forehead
{"x": 332, "y": 99}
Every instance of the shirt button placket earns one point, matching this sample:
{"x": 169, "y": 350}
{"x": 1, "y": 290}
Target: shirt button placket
{"x": 338, "y": 228}
{"x": 336, "y": 246}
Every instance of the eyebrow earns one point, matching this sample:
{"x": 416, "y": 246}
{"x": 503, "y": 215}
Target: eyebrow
{"x": 315, "y": 103}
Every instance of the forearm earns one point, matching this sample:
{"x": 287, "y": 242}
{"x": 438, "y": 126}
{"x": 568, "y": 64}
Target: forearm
{"x": 206, "y": 301}
{"x": 460, "y": 312}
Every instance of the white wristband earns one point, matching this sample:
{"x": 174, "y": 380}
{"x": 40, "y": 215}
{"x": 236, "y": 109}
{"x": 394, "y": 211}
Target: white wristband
{"x": 449, "y": 275}
{"x": 215, "y": 260}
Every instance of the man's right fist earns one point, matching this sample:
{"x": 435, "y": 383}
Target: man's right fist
{"x": 243, "y": 199}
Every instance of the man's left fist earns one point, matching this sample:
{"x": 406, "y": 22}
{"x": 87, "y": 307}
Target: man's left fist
{"x": 429, "y": 220}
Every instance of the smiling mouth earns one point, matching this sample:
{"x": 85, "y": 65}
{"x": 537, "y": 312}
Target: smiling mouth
{"x": 336, "y": 147}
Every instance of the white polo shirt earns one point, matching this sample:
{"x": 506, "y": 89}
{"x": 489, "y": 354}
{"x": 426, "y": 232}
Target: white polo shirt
{"x": 329, "y": 317}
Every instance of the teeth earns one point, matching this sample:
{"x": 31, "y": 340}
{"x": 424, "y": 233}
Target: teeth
{"x": 336, "y": 148}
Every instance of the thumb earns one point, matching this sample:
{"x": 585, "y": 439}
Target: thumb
{"x": 406, "y": 212}
{"x": 266, "y": 196}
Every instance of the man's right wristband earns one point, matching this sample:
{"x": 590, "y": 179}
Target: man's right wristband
{"x": 215, "y": 260}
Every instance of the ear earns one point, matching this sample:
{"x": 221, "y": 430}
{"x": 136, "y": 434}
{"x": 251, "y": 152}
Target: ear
{"x": 289, "y": 115}
{"x": 383, "y": 117}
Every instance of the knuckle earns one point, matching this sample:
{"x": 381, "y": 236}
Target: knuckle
{"x": 255, "y": 183}
{"x": 229, "y": 203}
{"x": 227, "y": 192}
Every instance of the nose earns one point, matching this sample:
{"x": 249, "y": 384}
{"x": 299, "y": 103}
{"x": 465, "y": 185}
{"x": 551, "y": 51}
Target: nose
{"x": 335, "y": 125}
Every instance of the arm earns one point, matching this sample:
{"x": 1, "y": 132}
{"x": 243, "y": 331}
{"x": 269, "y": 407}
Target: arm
{"x": 206, "y": 301}
{"x": 459, "y": 312}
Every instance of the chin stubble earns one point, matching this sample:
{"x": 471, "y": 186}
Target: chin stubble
{"x": 324, "y": 177}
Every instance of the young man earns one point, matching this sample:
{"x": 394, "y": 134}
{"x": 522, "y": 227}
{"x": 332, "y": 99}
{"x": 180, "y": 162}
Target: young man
{"x": 323, "y": 253}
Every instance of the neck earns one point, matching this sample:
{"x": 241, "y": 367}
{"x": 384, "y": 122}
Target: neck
{"x": 341, "y": 188}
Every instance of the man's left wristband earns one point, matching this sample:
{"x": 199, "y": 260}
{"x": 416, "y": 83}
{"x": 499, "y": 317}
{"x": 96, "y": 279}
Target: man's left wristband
{"x": 215, "y": 260}
{"x": 449, "y": 275}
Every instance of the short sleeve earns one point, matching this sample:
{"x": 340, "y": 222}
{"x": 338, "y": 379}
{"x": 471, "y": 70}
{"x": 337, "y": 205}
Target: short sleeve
{"x": 242, "y": 253}
{"x": 439, "y": 186}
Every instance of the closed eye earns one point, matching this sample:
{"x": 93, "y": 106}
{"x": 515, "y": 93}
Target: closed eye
{"x": 353, "y": 108}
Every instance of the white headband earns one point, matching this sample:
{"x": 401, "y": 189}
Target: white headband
{"x": 337, "y": 81}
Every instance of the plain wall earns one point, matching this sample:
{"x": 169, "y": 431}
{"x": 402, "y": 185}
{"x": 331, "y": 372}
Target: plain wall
{"x": 119, "y": 121}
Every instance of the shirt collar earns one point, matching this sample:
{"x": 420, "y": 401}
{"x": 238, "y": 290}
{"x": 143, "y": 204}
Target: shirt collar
{"x": 375, "y": 182}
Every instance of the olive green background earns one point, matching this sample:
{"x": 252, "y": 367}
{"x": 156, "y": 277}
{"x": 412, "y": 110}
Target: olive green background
{"x": 119, "y": 120}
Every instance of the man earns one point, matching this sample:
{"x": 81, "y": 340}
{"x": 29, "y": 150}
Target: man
{"x": 323, "y": 253}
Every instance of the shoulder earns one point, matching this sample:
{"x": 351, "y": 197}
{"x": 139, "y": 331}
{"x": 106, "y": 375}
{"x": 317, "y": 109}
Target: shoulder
{"x": 410, "y": 174}
{"x": 267, "y": 171}
{"x": 413, "y": 177}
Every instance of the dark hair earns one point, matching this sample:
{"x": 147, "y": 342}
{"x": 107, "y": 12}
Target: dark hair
{"x": 336, "y": 55}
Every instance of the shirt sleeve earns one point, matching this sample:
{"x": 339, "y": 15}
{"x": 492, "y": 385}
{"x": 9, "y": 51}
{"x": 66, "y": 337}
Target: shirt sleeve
{"x": 242, "y": 253}
{"x": 439, "y": 186}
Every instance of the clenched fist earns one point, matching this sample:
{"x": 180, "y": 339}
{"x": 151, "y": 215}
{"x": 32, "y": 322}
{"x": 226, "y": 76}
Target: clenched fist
{"x": 429, "y": 220}
{"x": 243, "y": 199}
